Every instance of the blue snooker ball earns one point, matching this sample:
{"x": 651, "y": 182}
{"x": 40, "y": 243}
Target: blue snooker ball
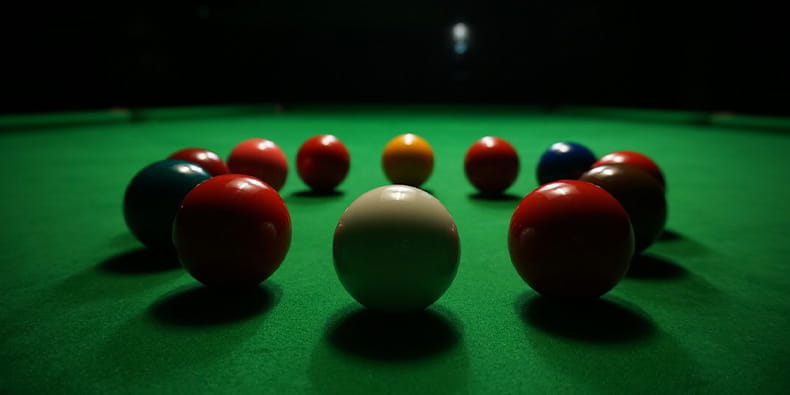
{"x": 564, "y": 161}
{"x": 153, "y": 197}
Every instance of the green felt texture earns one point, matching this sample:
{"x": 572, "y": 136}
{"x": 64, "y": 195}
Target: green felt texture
{"x": 84, "y": 310}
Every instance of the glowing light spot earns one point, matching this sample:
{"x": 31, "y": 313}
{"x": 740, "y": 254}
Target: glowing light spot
{"x": 186, "y": 169}
{"x": 266, "y": 144}
{"x": 560, "y": 147}
{"x": 398, "y": 193}
{"x": 557, "y": 189}
{"x": 460, "y": 32}
{"x": 488, "y": 141}
{"x": 328, "y": 139}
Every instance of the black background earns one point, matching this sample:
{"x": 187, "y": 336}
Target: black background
{"x": 689, "y": 56}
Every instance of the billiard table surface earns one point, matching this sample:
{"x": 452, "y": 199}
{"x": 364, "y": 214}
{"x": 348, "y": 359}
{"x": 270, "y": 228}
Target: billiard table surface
{"x": 85, "y": 309}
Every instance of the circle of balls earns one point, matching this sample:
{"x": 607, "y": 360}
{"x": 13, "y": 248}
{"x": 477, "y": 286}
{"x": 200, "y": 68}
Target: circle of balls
{"x": 396, "y": 248}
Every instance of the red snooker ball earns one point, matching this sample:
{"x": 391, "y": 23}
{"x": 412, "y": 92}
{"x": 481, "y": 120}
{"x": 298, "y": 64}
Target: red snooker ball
{"x": 208, "y": 160}
{"x": 262, "y": 159}
{"x": 323, "y": 162}
{"x": 491, "y": 165}
{"x": 232, "y": 231}
{"x": 634, "y": 159}
{"x": 570, "y": 239}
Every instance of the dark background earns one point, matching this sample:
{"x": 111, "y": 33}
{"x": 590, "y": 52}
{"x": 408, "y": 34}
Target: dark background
{"x": 635, "y": 54}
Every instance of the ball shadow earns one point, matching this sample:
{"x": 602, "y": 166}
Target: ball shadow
{"x": 123, "y": 240}
{"x": 139, "y": 261}
{"x": 392, "y": 337}
{"x": 652, "y": 267}
{"x": 680, "y": 244}
{"x": 205, "y": 306}
{"x": 593, "y": 320}
{"x": 669, "y": 235}
{"x": 498, "y": 197}
{"x": 311, "y": 193}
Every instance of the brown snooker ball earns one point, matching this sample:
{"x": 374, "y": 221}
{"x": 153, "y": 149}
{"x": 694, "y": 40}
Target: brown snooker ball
{"x": 640, "y": 193}
{"x": 632, "y": 158}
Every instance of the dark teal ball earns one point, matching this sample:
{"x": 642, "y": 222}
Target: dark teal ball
{"x": 153, "y": 197}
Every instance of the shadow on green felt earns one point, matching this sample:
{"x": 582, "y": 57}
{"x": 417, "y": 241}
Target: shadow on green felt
{"x": 392, "y": 337}
{"x": 139, "y": 261}
{"x": 131, "y": 272}
{"x": 605, "y": 346}
{"x": 184, "y": 331}
{"x": 679, "y": 244}
{"x": 496, "y": 197}
{"x": 670, "y": 235}
{"x": 198, "y": 305}
{"x": 364, "y": 352}
{"x": 653, "y": 267}
{"x": 311, "y": 193}
{"x": 590, "y": 320}
{"x": 123, "y": 241}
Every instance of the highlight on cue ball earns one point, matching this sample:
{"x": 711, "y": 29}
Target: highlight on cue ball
{"x": 407, "y": 159}
{"x": 396, "y": 249}
{"x": 232, "y": 231}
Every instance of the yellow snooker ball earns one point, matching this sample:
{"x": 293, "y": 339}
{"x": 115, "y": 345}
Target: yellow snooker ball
{"x": 407, "y": 159}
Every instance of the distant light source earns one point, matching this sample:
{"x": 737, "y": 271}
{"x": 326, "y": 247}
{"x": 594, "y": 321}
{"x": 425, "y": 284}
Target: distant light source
{"x": 460, "y": 32}
{"x": 460, "y": 37}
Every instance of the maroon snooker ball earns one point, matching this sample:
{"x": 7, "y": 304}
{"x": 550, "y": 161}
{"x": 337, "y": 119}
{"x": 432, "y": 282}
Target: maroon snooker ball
{"x": 632, "y": 158}
{"x": 232, "y": 231}
{"x": 262, "y": 159}
{"x": 208, "y": 160}
{"x": 323, "y": 162}
{"x": 570, "y": 239}
{"x": 491, "y": 165}
{"x": 639, "y": 193}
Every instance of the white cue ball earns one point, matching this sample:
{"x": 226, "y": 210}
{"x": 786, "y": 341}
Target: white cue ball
{"x": 396, "y": 249}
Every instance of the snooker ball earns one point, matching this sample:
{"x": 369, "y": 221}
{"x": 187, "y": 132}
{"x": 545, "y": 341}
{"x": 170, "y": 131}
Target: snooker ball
{"x": 570, "y": 239}
{"x": 260, "y": 158}
{"x": 632, "y": 158}
{"x": 564, "y": 161}
{"x": 639, "y": 193}
{"x": 396, "y": 249}
{"x": 407, "y": 159}
{"x": 232, "y": 231}
{"x": 323, "y": 162}
{"x": 208, "y": 160}
{"x": 491, "y": 165}
{"x": 152, "y": 198}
